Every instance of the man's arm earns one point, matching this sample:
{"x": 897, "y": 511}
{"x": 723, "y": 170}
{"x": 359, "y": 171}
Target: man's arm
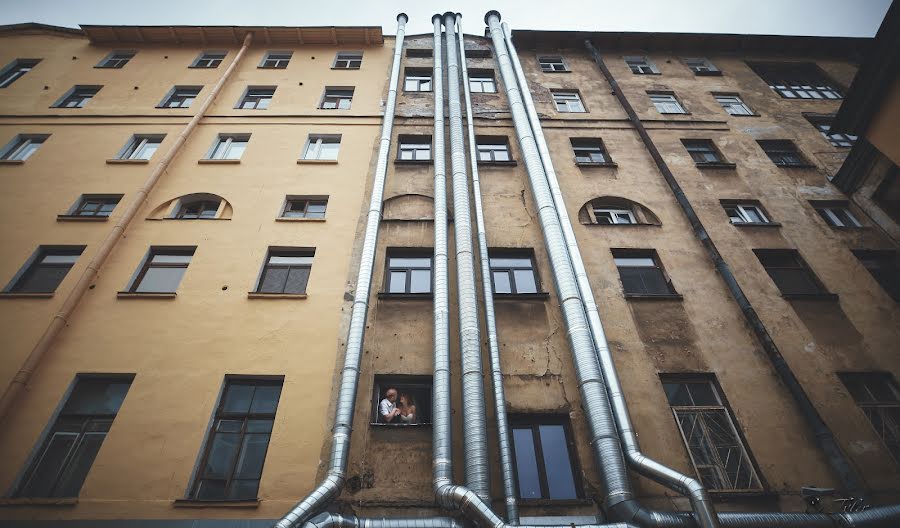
{"x": 384, "y": 409}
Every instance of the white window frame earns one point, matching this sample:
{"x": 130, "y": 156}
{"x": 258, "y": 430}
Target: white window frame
{"x": 552, "y": 63}
{"x": 733, "y": 105}
{"x": 343, "y": 60}
{"x": 487, "y": 150}
{"x": 174, "y": 92}
{"x": 742, "y": 211}
{"x": 336, "y": 100}
{"x": 16, "y": 70}
{"x": 414, "y": 82}
{"x": 255, "y": 95}
{"x": 701, "y": 66}
{"x": 114, "y": 58}
{"x": 667, "y": 103}
{"x": 414, "y": 145}
{"x": 568, "y": 102}
{"x": 616, "y": 215}
{"x": 641, "y": 65}
{"x": 134, "y": 149}
{"x": 277, "y": 57}
{"x": 18, "y": 149}
{"x": 204, "y": 57}
{"x": 479, "y": 81}
{"x": 313, "y": 148}
{"x": 226, "y": 140}
{"x": 833, "y": 220}
{"x": 80, "y": 91}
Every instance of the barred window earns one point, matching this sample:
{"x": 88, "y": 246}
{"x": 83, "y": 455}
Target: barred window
{"x": 878, "y": 396}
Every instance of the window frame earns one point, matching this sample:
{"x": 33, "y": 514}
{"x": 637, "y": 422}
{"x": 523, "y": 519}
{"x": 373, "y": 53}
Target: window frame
{"x": 419, "y": 77}
{"x": 725, "y": 409}
{"x": 675, "y": 102}
{"x": 401, "y": 382}
{"x": 183, "y": 209}
{"x": 782, "y": 149}
{"x": 701, "y": 66}
{"x": 866, "y": 378}
{"x": 585, "y": 146}
{"x": 79, "y": 94}
{"x": 180, "y": 94}
{"x": 28, "y": 269}
{"x": 737, "y": 103}
{"x": 887, "y": 260}
{"x": 547, "y": 60}
{"x": 816, "y": 80}
{"x": 136, "y": 145}
{"x": 348, "y": 57}
{"x": 307, "y": 201}
{"x": 490, "y": 146}
{"x": 482, "y": 78}
{"x": 282, "y": 251}
{"x": 228, "y": 139}
{"x": 621, "y": 254}
{"x": 203, "y": 56}
{"x": 14, "y": 149}
{"x": 799, "y": 265}
{"x": 519, "y": 254}
{"x": 615, "y": 213}
{"x": 116, "y": 59}
{"x": 276, "y": 61}
{"x": 569, "y": 99}
{"x": 822, "y": 123}
{"x": 15, "y": 70}
{"x": 407, "y": 253}
{"x": 148, "y": 264}
{"x": 259, "y": 96}
{"x": 696, "y": 146}
{"x": 312, "y": 150}
{"x": 406, "y": 144}
{"x": 337, "y": 98}
{"x": 826, "y": 209}
{"x": 638, "y": 69}
{"x": 741, "y": 207}
{"x": 85, "y": 199}
{"x": 534, "y": 422}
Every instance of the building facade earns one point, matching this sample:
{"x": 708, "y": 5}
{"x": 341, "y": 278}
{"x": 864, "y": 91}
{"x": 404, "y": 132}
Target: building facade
{"x": 754, "y": 341}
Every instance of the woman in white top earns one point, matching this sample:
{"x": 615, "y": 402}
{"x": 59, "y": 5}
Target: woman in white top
{"x": 407, "y": 408}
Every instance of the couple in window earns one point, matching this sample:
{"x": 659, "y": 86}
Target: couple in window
{"x": 397, "y": 408}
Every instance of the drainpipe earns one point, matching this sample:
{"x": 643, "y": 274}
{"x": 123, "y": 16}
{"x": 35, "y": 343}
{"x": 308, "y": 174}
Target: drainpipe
{"x": 61, "y": 319}
{"x": 503, "y": 436}
{"x": 477, "y": 470}
{"x": 331, "y": 487}
{"x": 823, "y": 435}
{"x": 688, "y": 486}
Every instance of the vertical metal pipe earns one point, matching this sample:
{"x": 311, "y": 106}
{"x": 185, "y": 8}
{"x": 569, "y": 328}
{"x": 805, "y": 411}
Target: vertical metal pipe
{"x": 689, "y": 486}
{"x": 477, "y": 470}
{"x": 504, "y": 442}
{"x": 346, "y": 403}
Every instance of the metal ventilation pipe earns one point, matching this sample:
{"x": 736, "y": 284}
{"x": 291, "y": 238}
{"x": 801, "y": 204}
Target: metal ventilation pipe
{"x": 477, "y": 470}
{"x": 504, "y": 442}
{"x": 343, "y": 418}
{"x": 689, "y": 486}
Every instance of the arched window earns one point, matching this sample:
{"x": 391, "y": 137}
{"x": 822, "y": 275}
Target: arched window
{"x": 195, "y": 206}
{"x": 613, "y": 210}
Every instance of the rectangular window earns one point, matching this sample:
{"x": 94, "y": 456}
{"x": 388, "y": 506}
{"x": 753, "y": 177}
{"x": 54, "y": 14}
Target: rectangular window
{"x": 116, "y": 59}
{"x": 286, "y": 270}
{"x": 414, "y": 148}
{"x": 567, "y": 101}
{"x": 257, "y": 98}
{"x": 733, "y": 104}
{"x": 336, "y": 98}
{"x": 209, "y": 59}
{"x": 789, "y": 272}
{"x": 322, "y": 147}
{"x": 544, "y": 454}
{"x": 276, "y": 60}
{"x": 884, "y": 266}
{"x": 701, "y": 66}
{"x": 180, "y": 97}
{"x": 46, "y": 270}
{"x": 401, "y": 401}
{"x": 482, "y": 81}
{"x": 347, "y": 60}
{"x": 197, "y": 209}
{"x": 835, "y": 213}
{"x": 162, "y": 270}
{"x": 666, "y": 103}
{"x": 612, "y": 216}
{"x": 641, "y": 272}
{"x": 492, "y": 149}
{"x": 744, "y": 212}
{"x": 16, "y": 69}
{"x": 877, "y": 394}
{"x": 703, "y": 151}
{"x": 409, "y": 270}
{"x": 552, "y": 64}
{"x": 141, "y": 147}
{"x": 229, "y": 147}
{"x": 589, "y": 151}
{"x": 710, "y": 434}
{"x": 641, "y": 65}
{"x": 77, "y": 97}
{"x": 823, "y": 125}
{"x": 95, "y": 205}
{"x": 783, "y": 152}
{"x": 66, "y": 457}
{"x": 22, "y": 146}
{"x": 419, "y": 53}
{"x": 797, "y": 80}
{"x": 512, "y": 272}
{"x": 300, "y": 207}
{"x": 417, "y": 80}
{"x": 238, "y": 440}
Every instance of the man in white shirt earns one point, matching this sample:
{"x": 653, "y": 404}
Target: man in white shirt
{"x": 388, "y": 407}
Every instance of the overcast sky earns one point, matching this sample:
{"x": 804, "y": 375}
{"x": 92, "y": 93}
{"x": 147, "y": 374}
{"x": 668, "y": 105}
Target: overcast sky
{"x": 850, "y": 18}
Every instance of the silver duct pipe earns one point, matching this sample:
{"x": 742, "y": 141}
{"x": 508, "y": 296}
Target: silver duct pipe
{"x": 503, "y": 434}
{"x": 343, "y": 417}
{"x": 335, "y": 520}
{"x": 477, "y": 470}
{"x": 644, "y": 465}
{"x": 629, "y": 509}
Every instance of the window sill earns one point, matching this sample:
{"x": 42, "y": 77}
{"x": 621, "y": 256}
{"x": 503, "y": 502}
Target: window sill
{"x": 12, "y": 162}
{"x": 510, "y": 163}
{"x": 282, "y": 219}
{"x": 849, "y": 228}
{"x": 810, "y": 296}
{"x": 39, "y": 501}
{"x": 196, "y": 503}
{"x": 317, "y": 161}
{"x": 556, "y": 71}
{"x": 413, "y": 162}
{"x": 26, "y": 295}
{"x": 147, "y": 295}
{"x": 218, "y": 161}
{"x": 654, "y": 296}
{"x": 555, "y": 502}
{"x": 77, "y": 218}
{"x": 708, "y": 73}
{"x": 127, "y": 161}
{"x": 539, "y": 296}
{"x": 202, "y": 67}
{"x": 729, "y": 166}
{"x": 796, "y": 166}
{"x": 170, "y": 218}
{"x": 744, "y": 115}
{"x": 398, "y": 425}
{"x": 725, "y": 495}
{"x": 757, "y": 224}
{"x": 260, "y": 295}
{"x": 596, "y": 164}
{"x": 636, "y": 224}
{"x": 333, "y": 68}
{"x": 406, "y": 296}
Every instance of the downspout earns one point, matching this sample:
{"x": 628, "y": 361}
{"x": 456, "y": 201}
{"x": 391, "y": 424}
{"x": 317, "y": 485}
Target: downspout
{"x": 823, "y": 435}
{"x": 688, "y": 486}
{"x": 504, "y": 442}
{"x": 331, "y": 487}
{"x": 477, "y": 470}
{"x": 61, "y": 319}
